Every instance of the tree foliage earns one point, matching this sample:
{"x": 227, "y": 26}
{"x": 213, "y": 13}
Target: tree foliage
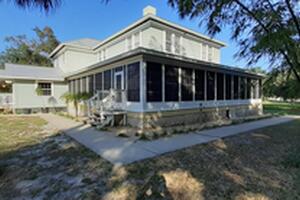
{"x": 76, "y": 98}
{"x": 278, "y": 84}
{"x": 262, "y": 28}
{"x": 21, "y": 50}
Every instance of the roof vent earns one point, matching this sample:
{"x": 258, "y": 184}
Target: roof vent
{"x": 149, "y": 10}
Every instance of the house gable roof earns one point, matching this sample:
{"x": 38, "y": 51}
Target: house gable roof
{"x": 84, "y": 43}
{"x": 30, "y": 72}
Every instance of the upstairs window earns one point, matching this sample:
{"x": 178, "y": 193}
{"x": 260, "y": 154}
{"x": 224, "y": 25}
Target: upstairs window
{"x": 199, "y": 84}
{"x": 129, "y": 43}
{"x": 171, "y": 83}
{"x": 168, "y": 41}
{"x": 186, "y": 84}
{"x": 154, "y": 82}
{"x": 204, "y": 46}
{"x": 44, "y": 89}
{"x": 136, "y": 39}
{"x": 210, "y": 54}
{"x": 210, "y": 86}
{"x": 177, "y": 44}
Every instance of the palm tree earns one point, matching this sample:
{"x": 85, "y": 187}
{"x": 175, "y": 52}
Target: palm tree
{"x": 45, "y": 5}
{"x": 75, "y": 98}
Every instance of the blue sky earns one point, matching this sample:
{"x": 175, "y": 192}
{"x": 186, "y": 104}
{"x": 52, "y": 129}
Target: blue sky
{"x": 78, "y": 19}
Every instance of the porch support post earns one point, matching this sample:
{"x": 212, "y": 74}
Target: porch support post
{"x": 216, "y": 86}
{"x": 205, "y": 85}
{"x": 143, "y": 84}
{"x": 163, "y": 83}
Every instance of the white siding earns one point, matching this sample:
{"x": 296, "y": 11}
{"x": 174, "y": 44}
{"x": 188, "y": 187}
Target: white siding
{"x": 25, "y": 96}
{"x": 72, "y": 60}
{"x": 153, "y": 39}
{"x": 191, "y": 48}
{"x": 115, "y": 49}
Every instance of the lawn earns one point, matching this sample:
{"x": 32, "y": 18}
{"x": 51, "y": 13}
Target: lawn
{"x": 263, "y": 164}
{"x": 281, "y": 108}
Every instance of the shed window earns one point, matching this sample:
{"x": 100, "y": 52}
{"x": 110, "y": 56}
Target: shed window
{"x": 187, "y": 84}
{"x": 228, "y": 87}
{"x": 107, "y": 80}
{"x": 45, "y": 89}
{"x": 210, "y": 85}
{"x": 199, "y": 84}
{"x": 154, "y": 82}
{"x": 133, "y": 74}
{"x": 236, "y": 87}
{"x": 220, "y": 86}
{"x": 171, "y": 83}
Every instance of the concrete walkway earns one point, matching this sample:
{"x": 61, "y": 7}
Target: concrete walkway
{"x": 124, "y": 151}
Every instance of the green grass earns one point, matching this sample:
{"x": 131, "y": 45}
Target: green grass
{"x": 18, "y": 132}
{"x": 281, "y": 108}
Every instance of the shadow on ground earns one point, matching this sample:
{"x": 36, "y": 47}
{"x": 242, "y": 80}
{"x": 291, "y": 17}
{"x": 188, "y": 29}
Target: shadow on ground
{"x": 247, "y": 166}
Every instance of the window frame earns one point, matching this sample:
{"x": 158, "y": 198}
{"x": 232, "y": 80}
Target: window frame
{"x": 45, "y": 89}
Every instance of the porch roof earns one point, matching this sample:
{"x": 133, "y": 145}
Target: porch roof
{"x": 157, "y": 56}
{"x": 30, "y": 72}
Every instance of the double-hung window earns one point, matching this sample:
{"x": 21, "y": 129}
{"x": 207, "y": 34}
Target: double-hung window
{"x": 44, "y": 89}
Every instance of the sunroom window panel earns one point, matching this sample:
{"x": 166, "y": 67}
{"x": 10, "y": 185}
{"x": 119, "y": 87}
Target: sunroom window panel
{"x": 154, "y": 82}
{"x": 133, "y": 84}
{"x": 91, "y": 84}
{"x": 78, "y": 86}
{"x": 259, "y": 88}
{"x": 242, "y": 88}
{"x": 84, "y": 85}
{"x": 171, "y": 83}
{"x": 248, "y": 88}
{"x": 98, "y": 81}
{"x": 236, "y": 87}
{"x": 228, "y": 87}
{"x": 107, "y": 80}
{"x": 186, "y": 84}
{"x": 220, "y": 86}
{"x": 199, "y": 84}
{"x": 210, "y": 86}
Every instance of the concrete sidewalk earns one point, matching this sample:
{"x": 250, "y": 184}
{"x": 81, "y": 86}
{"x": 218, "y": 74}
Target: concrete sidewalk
{"x": 119, "y": 150}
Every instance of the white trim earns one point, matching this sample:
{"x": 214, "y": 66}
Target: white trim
{"x": 163, "y": 96}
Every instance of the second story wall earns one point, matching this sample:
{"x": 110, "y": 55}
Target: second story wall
{"x": 71, "y": 60}
{"x": 168, "y": 40}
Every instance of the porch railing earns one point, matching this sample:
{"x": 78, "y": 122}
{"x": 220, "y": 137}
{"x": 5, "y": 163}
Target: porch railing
{"x": 107, "y": 101}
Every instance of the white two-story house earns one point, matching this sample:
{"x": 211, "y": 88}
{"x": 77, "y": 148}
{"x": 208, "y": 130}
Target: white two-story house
{"x": 154, "y": 73}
